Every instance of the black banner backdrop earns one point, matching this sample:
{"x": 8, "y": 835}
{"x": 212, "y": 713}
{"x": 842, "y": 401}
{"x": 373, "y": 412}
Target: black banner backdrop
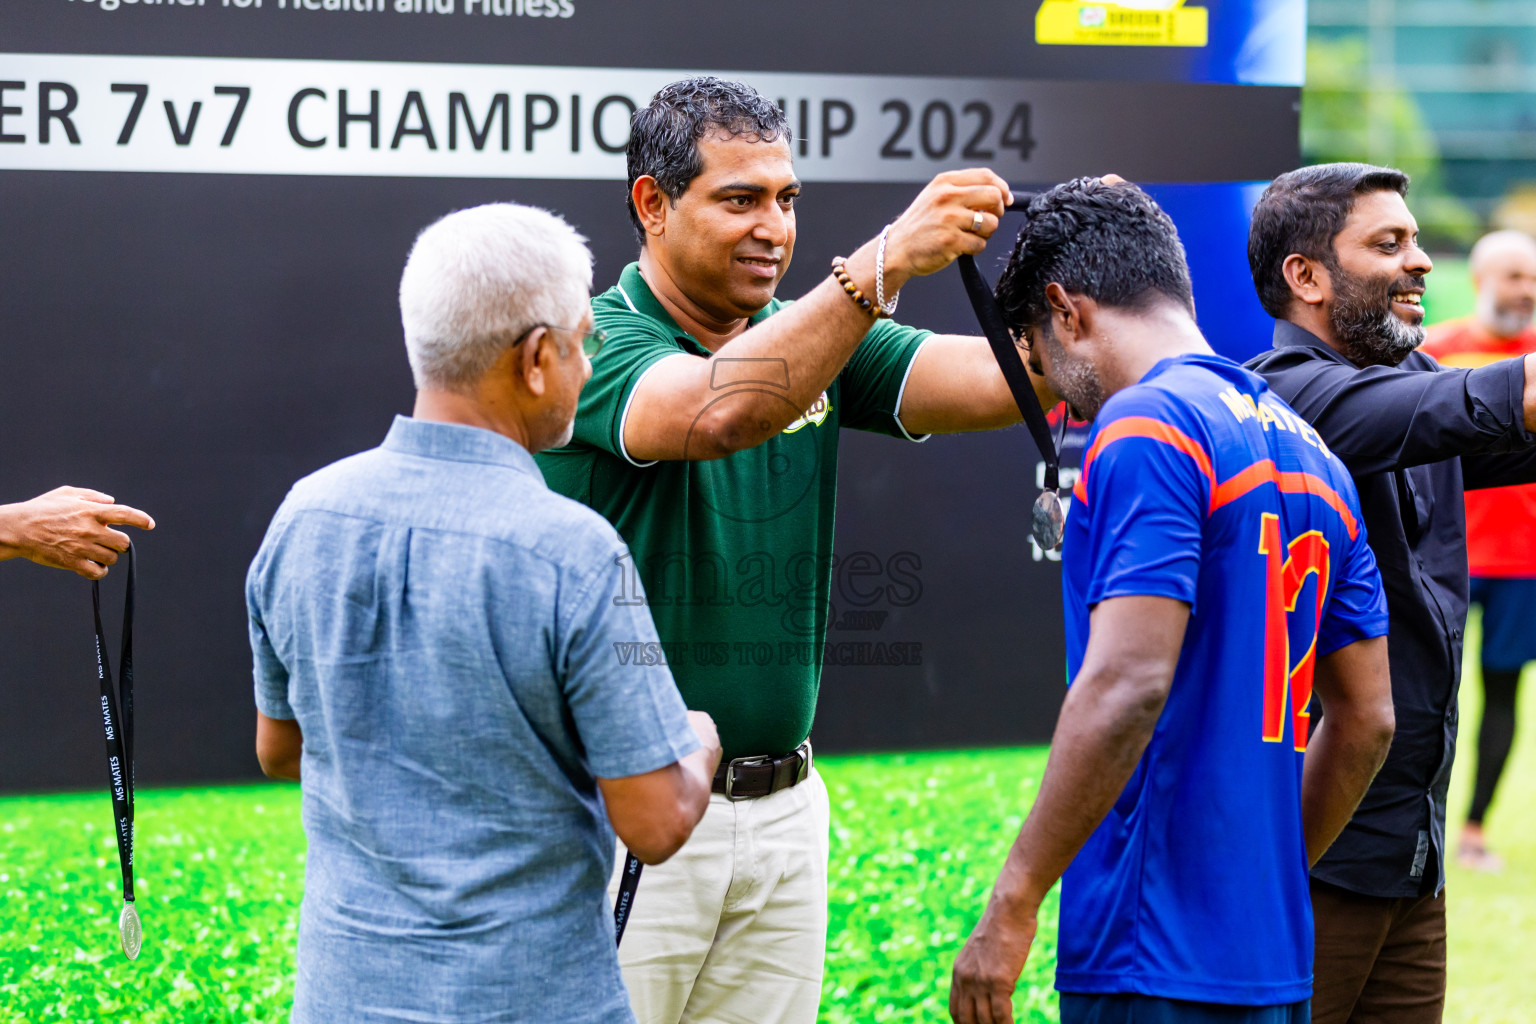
{"x": 198, "y": 308}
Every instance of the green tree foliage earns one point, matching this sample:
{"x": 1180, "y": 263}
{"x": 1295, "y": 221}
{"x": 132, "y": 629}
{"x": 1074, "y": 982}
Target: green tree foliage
{"x": 1347, "y": 113}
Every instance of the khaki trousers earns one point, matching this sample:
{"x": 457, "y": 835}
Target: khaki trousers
{"x": 733, "y": 929}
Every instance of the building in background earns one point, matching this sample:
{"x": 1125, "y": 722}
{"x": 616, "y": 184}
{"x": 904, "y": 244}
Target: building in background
{"x": 1448, "y": 90}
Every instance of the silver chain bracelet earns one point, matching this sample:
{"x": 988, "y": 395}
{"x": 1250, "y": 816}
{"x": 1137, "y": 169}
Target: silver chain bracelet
{"x": 885, "y": 309}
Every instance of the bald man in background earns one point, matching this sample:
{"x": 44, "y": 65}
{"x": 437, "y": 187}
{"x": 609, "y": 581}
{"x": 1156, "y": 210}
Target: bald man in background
{"x": 1501, "y": 521}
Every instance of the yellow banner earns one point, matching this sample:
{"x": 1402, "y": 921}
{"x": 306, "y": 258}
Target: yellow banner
{"x": 1080, "y": 23}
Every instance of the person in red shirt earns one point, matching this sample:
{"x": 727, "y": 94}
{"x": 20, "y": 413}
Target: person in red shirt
{"x": 1501, "y": 521}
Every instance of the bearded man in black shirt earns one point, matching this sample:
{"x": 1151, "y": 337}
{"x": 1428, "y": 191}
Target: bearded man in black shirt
{"x": 1335, "y": 258}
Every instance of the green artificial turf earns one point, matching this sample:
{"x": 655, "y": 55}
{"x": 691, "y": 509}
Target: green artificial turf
{"x": 1492, "y": 918}
{"x": 916, "y": 842}
{"x": 218, "y": 876}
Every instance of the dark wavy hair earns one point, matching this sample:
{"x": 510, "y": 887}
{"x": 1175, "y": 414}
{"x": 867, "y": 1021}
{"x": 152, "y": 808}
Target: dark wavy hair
{"x": 664, "y": 135}
{"x": 1111, "y": 243}
{"x": 1302, "y": 212}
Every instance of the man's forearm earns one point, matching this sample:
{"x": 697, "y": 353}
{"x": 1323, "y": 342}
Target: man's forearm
{"x": 1354, "y": 684}
{"x": 700, "y": 765}
{"x": 279, "y": 747}
{"x": 814, "y": 338}
{"x": 1343, "y": 756}
{"x": 753, "y": 386}
{"x": 9, "y": 533}
{"x": 956, "y": 386}
{"x": 1103, "y": 731}
{"x": 809, "y": 343}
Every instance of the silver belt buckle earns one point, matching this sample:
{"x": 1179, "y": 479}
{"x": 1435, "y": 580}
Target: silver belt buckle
{"x": 804, "y": 750}
{"x": 730, "y": 773}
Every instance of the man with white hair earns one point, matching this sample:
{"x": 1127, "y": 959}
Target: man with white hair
{"x": 1501, "y": 521}
{"x": 433, "y": 634}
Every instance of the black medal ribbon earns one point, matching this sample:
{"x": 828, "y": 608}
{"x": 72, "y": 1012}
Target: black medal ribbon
{"x": 626, "y": 901}
{"x": 117, "y": 725}
{"x": 1048, "y": 517}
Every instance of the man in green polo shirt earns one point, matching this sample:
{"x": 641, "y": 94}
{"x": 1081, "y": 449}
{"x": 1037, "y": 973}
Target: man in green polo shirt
{"x": 708, "y": 437}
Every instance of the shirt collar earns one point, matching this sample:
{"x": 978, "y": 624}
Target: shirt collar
{"x": 1289, "y": 335}
{"x": 1211, "y": 362}
{"x": 637, "y": 295}
{"x": 455, "y": 442}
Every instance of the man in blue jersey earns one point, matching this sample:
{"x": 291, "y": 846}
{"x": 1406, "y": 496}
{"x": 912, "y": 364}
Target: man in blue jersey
{"x": 1215, "y": 574}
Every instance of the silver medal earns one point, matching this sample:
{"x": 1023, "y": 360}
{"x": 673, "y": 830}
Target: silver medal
{"x": 132, "y": 932}
{"x": 1048, "y": 520}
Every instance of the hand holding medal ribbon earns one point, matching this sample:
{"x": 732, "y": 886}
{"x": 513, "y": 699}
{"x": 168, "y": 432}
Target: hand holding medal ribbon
{"x": 117, "y": 724}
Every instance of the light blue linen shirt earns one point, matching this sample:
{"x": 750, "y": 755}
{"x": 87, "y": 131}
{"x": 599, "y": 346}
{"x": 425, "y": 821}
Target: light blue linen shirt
{"x": 443, "y": 626}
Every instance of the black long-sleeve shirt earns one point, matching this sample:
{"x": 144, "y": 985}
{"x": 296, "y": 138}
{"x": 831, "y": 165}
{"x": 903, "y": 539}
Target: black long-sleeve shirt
{"x": 1414, "y": 437}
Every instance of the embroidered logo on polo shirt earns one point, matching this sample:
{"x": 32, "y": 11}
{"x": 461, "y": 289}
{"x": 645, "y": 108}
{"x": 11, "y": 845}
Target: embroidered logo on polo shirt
{"x": 816, "y": 414}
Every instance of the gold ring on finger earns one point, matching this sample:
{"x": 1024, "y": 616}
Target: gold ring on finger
{"x": 976, "y": 222}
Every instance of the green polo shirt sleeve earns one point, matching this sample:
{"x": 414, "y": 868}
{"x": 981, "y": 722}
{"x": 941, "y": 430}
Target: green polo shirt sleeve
{"x": 634, "y": 344}
{"x": 875, "y": 379}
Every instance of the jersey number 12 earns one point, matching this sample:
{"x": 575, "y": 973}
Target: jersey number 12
{"x": 1286, "y": 568}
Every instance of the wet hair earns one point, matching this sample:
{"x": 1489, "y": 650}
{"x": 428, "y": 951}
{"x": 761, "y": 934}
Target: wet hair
{"x": 1302, "y": 212}
{"x": 1111, "y": 243}
{"x": 664, "y": 135}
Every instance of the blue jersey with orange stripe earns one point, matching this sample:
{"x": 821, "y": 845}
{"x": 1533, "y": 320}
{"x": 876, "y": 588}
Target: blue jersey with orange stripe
{"x": 1201, "y": 485}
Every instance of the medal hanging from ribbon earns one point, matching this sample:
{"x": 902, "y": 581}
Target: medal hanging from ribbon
{"x": 1048, "y": 518}
{"x": 117, "y": 724}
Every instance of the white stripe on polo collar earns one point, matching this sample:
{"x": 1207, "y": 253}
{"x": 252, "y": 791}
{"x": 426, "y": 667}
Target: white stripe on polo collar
{"x": 627, "y": 300}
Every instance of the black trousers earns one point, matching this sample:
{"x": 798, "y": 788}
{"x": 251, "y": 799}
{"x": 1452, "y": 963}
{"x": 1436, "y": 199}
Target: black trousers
{"x": 1494, "y": 737}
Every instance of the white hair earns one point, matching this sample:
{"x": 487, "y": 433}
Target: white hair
{"x": 481, "y": 278}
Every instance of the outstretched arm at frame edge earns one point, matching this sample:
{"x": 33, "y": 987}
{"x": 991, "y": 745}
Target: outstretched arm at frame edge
{"x": 69, "y": 528}
{"x": 1106, "y": 723}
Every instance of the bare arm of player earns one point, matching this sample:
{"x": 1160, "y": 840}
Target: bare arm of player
{"x": 69, "y": 528}
{"x": 1106, "y": 723}
{"x": 654, "y": 814}
{"x": 673, "y": 413}
{"x": 1349, "y": 745}
{"x": 279, "y": 746}
{"x": 956, "y": 386}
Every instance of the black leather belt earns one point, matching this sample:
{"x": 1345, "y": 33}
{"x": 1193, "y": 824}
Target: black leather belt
{"x": 745, "y": 778}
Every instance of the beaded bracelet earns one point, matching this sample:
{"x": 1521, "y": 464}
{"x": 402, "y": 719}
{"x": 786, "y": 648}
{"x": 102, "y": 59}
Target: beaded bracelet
{"x": 840, "y": 272}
